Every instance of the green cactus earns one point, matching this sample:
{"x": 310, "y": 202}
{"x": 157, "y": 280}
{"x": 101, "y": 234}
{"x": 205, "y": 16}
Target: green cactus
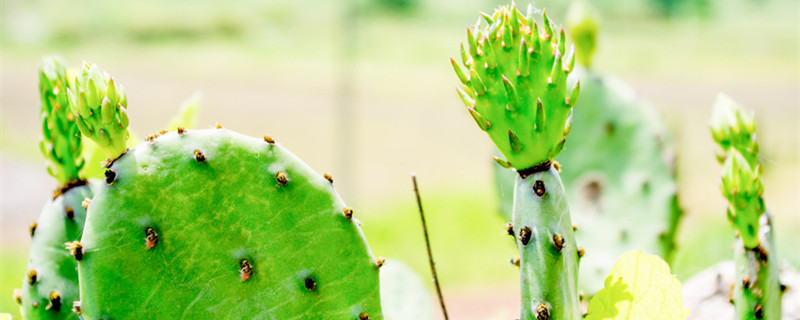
{"x": 514, "y": 83}
{"x": 757, "y": 291}
{"x": 51, "y": 281}
{"x": 621, "y": 181}
{"x": 214, "y": 224}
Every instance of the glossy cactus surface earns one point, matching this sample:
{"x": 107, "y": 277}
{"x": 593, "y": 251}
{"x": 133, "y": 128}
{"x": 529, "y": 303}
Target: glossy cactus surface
{"x": 214, "y": 224}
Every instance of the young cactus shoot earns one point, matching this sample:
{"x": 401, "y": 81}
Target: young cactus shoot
{"x": 513, "y": 75}
{"x": 100, "y": 106}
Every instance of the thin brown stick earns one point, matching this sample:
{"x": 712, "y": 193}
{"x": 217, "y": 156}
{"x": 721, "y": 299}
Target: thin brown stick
{"x": 428, "y": 245}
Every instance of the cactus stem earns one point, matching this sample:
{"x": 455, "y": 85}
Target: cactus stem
{"x": 282, "y": 178}
{"x": 510, "y": 229}
{"x": 310, "y": 284}
{"x": 347, "y": 212}
{"x": 245, "y": 270}
{"x": 31, "y": 277}
{"x": 18, "y": 296}
{"x": 181, "y": 130}
{"x": 32, "y": 228}
{"x": 199, "y": 156}
{"x": 150, "y": 239}
{"x": 75, "y": 249}
{"x": 55, "y": 301}
{"x": 69, "y": 212}
{"x": 269, "y": 140}
{"x": 328, "y": 177}
{"x": 76, "y": 307}
{"x": 558, "y": 241}
{"x": 379, "y": 261}
{"x": 539, "y": 188}
{"x": 86, "y": 202}
{"x": 110, "y": 176}
{"x": 542, "y": 312}
{"x": 525, "y": 235}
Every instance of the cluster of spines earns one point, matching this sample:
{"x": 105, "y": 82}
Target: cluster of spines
{"x": 100, "y": 106}
{"x": 61, "y": 138}
{"x": 514, "y": 84}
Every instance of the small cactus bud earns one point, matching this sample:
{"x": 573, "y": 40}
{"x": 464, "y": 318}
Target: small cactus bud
{"x": 31, "y": 277}
{"x": 150, "y": 239}
{"x": 310, "y": 284}
{"x": 282, "y": 178}
{"x": 245, "y": 270}
{"x": 55, "y": 301}
{"x": 75, "y": 249}
{"x": 538, "y": 188}
{"x": 347, "y": 212}
{"x": 525, "y": 235}
{"x": 32, "y": 228}
{"x": 199, "y": 156}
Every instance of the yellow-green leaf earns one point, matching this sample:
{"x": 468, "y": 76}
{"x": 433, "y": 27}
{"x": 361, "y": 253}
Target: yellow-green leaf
{"x": 641, "y": 287}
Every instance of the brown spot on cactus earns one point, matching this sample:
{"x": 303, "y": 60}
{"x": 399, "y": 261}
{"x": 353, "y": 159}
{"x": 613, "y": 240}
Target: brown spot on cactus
{"x": 152, "y": 137}
{"x": 525, "y": 235}
{"x": 347, "y": 212}
{"x": 18, "y": 296}
{"x": 35, "y": 304}
{"x": 282, "y": 178}
{"x": 310, "y": 284}
{"x": 245, "y": 270}
{"x": 32, "y": 228}
{"x": 515, "y": 261}
{"x": 218, "y": 126}
{"x": 758, "y": 311}
{"x": 538, "y": 188}
{"x": 269, "y": 140}
{"x": 574, "y": 227}
{"x": 55, "y": 301}
{"x": 510, "y": 229}
{"x": 581, "y": 252}
{"x": 761, "y": 253}
{"x": 31, "y": 277}
{"x": 542, "y": 312}
{"x": 379, "y": 262}
{"x": 85, "y": 203}
{"x": 181, "y": 130}
{"x": 363, "y": 316}
{"x": 558, "y": 242}
{"x": 150, "y": 238}
{"x": 592, "y": 191}
{"x": 69, "y": 212}
{"x": 199, "y": 156}
{"x": 75, "y": 249}
{"x": 746, "y": 282}
{"x": 76, "y": 307}
{"x": 557, "y": 166}
{"x": 328, "y": 177}
{"x": 609, "y": 128}
{"x": 784, "y": 287}
{"x": 110, "y": 176}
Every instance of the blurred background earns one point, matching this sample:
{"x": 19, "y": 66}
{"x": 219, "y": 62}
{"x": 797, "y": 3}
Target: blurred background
{"x": 363, "y": 89}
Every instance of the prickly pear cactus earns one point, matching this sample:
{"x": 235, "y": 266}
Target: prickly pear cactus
{"x": 213, "y": 224}
{"x": 514, "y": 84}
{"x": 620, "y": 181}
{"x": 757, "y": 291}
{"x": 51, "y": 282}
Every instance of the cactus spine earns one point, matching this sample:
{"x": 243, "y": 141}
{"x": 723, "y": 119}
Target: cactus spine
{"x": 757, "y": 291}
{"x": 513, "y": 75}
{"x": 214, "y": 224}
{"x": 51, "y": 282}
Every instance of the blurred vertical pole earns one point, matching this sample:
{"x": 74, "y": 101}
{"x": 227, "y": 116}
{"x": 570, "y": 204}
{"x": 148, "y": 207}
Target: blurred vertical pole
{"x": 345, "y": 100}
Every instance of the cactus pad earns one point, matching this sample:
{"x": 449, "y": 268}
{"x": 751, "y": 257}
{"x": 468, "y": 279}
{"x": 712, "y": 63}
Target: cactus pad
{"x": 214, "y": 224}
{"x": 51, "y": 283}
{"x": 513, "y": 75}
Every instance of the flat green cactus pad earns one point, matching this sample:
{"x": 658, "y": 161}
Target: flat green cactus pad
{"x": 51, "y": 282}
{"x": 211, "y": 224}
{"x": 513, "y": 76}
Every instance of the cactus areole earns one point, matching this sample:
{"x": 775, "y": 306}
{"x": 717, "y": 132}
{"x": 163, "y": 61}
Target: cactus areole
{"x": 513, "y": 75}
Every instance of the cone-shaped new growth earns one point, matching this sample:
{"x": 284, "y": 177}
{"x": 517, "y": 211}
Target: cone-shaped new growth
{"x": 757, "y": 291}
{"x": 211, "y": 224}
{"x": 100, "y": 104}
{"x": 515, "y": 76}
{"x": 50, "y": 285}
{"x": 61, "y": 139}
{"x": 518, "y": 78}
{"x": 583, "y": 21}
